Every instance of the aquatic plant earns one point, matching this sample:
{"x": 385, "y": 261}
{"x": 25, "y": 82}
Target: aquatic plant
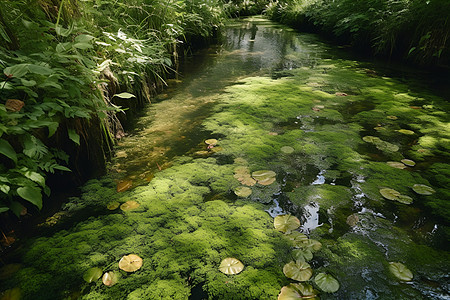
{"x": 326, "y": 282}
{"x": 231, "y": 266}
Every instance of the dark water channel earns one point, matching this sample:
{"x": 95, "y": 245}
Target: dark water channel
{"x": 336, "y": 132}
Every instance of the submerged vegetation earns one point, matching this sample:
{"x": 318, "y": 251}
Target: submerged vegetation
{"x": 415, "y": 30}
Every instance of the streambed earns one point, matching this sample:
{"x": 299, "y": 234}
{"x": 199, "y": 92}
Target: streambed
{"x": 334, "y": 131}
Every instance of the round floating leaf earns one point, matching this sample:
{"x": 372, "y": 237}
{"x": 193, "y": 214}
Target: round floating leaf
{"x": 231, "y": 266}
{"x": 312, "y": 245}
{"x": 298, "y": 239}
{"x": 130, "y": 263}
{"x": 110, "y": 278}
{"x": 386, "y": 146}
{"x": 406, "y": 131}
{"x": 124, "y": 185}
{"x": 423, "y": 189}
{"x": 113, "y": 205}
{"x": 408, "y": 162}
{"x": 352, "y": 220}
{"x": 243, "y": 191}
{"x": 405, "y": 199}
{"x": 264, "y": 177}
{"x": 286, "y": 223}
{"x": 302, "y": 255}
{"x": 129, "y": 205}
{"x": 392, "y": 117}
{"x": 93, "y": 274}
{"x": 326, "y": 283}
{"x": 297, "y": 291}
{"x": 300, "y": 270}
{"x": 371, "y": 139}
{"x": 400, "y": 271}
{"x": 211, "y": 142}
{"x": 287, "y": 149}
{"x": 396, "y": 164}
{"x": 390, "y": 194}
{"x": 243, "y": 175}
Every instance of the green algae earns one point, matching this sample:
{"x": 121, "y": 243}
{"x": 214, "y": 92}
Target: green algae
{"x": 183, "y": 234}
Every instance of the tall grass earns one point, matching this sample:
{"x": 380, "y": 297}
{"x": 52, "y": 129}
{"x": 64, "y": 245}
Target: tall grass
{"x": 67, "y": 67}
{"x": 416, "y": 30}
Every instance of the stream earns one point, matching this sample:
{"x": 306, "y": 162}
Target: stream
{"x": 357, "y": 151}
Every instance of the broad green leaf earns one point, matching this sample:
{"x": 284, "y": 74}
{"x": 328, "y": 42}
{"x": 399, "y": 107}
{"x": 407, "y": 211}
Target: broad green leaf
{"x": 300, "y": 271}
{"x": 52, "y": 127}
{"x": 82, "y": 46}
{"x": 390, "y": 194}
{"x": 286, "y": 223}
{"x": 125, "y": 95}
{"x": 326, "y": 283}
{"x": 400, "y": 271}
{"x": 423, "y": 189}
{"x": 17, "y": 71}
{"x": 36, "y": 177}
{"x": 302, "y": 255}
{"x": 5, "y": 188}
{"x": 63, "y": 47}
{"x": 83, "y": 38}
{"x": 7, "y": 150}
{"x": 40, "y": 70}
{"x": 93, "y": 274}
{"x": 28, "y": 82}
{"x": 73, "y": 136}
{"x": 3, "y": 209}
{"x": 243, "y": 191}
{"x": 31, "y": 194}
{"x": 295, "y": 291}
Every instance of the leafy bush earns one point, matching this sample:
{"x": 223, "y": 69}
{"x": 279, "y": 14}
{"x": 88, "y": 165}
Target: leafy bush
{"x": 411, "y": 29}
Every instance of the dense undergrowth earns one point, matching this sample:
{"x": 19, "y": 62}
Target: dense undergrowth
{"x": 415, "y": 30}
{"x": 69, "y": 68}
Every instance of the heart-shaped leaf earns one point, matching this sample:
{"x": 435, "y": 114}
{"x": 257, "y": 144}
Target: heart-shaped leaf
{"x": 423, "y": 189}
{"x": 93, "y": 274}
{"x": 400, "y": 271}
{"x": 300, "y": 271}
{"x": 326, "y": 283}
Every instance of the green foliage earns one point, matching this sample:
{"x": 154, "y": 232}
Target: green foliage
{"x": 416, "y": 30}
{"x": 72, "y": 59}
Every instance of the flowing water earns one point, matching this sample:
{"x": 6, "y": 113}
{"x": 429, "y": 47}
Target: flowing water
{"x": 334, "y": 130}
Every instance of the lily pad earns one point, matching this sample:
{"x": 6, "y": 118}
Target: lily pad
{"x": 130, "y": 263}
{"x": 231, "y": 266}
{"x": 286, "y": 223}
{"x": 129, "y": 205}
{"x": 300, "y": 270}
{"x": 406, "y": 131}
{"x": 392, "y": 117}
{"x": 302, "y": 255}
{"x": 326, "y": 283}
{"x": 400, "y": 271}
{"x": 287, "y": 149}
{"x": 93, "y": 274}
{"x": 396, "y": 164}
{"x": 264, "y": 177}
{"x": 243, "y": 191}
{"x": 113, "y": 205}
{"x": 124, "y": 185}
{"x": 371, "y": 139}
{"x": 423, "y": 189}
{"x": 405, "y": 199}
{"x": 297, "y": 291}
{"x": 211, "y": 142}
{"x": 312, "y": 245}
{"x": 390, "y": 194}
{"x": 408, "y": 162}
{"x": 110, "y": 278}
{"x": 242, "y": 174}
{"x": 297, "y": 238}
